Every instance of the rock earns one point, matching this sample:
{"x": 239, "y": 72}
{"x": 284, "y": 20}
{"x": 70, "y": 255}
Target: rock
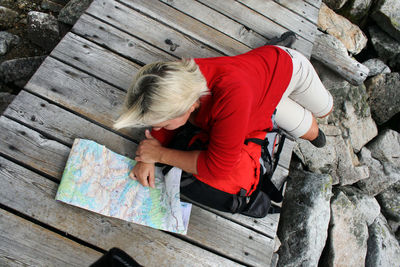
{"x": 353, "y": 115}
{"x": 390, "y": 202}
{"x": 351, "y": 112}
{"x": 386, "y": 147}
{"x": 21, "y": 68}
{"x": 6, "y": 41}
{"x": 387, "y": 48}
{"x": 383, "y": 248}
{"x": 73, "y": 10}
{"x": 348, "y": 234}
{"x": 357, "y": 10}
{"x": 340, "y": 27}
{"x": 43, "y": 29}
{"x": 376, "y": 66}
{"x": 336, "y": 158}
{"x": 304, "y": 219}
{"x": 384, "y": 96}
{"x": 335, "y": 4}
{"x": 387, "y": 16}
{"x": 50, "y": 5}
{"x": 382, "y": 175}
{"x": 367, "y": 205}
{"x": 5, "y": 100}
{"x": 7, "y": 17}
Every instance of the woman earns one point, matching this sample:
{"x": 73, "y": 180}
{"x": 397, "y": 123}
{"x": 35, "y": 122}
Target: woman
{"x": 228, "y": 98}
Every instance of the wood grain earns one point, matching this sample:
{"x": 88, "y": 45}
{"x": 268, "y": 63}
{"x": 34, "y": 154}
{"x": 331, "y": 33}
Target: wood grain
{"x": 96, "y": 60}
{"x": 150, "y": 247}
{"x": 218, "y": 21}
{"x": 62, "y": 125}
{"x": 350, "y": 69}
{"x": 284, "y": 16}
{"x": 150, "y": 30}
{"x": 188, "y": 26}
{"x": 205, "y": 227}
{"x": 118, "y": 41}
{"x": 79, "y": 92}
{"x": 255, "y": 21}
{"x": 23, "y": 243}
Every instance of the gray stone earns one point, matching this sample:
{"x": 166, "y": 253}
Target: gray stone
{"x": 360, "y": 128}
{"x": 367, "y": 205}
{"x": 335, "y": 4}
{"x": 348, "y": 33}
{"x": 351, "y": 110}
{"x": 384, "y": 96}
{"x": 5, "y": 100}
{"x": 335, "y": 158}
{"x": 386, "y": 147}
{"x": 304, "y": 219}
{"x": 376, "y": 66}
{"x": 7, "y": 17}
{"x": 348, "y": 234}
{"x": 387, "y": 47}
{"x": 50, "y": 5}
{"x": 19, "y": 69}
{"x": 383, "y": 248}
{"x": 382, "y": 175}
{"x": 73, "y": 10}
{"x": 357, "y": 10}
{"x": 43, "y": 29}
{"x": 7, "y": 40}
{"x": 390, "y": 202}
{"x": 387, "y": 16}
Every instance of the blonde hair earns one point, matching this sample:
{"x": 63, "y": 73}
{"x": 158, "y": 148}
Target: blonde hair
{"x": 162, "y": 91}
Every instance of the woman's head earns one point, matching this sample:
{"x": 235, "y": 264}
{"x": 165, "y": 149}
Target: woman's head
{"x": 161, "y": 92}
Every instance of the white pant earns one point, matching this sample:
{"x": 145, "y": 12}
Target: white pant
{"x": 304, "y": 95}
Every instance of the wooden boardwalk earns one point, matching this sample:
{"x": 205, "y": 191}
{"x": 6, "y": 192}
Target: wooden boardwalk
{"x": 77, "y": 93}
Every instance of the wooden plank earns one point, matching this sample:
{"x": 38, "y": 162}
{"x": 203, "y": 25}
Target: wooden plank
{"x": 32, "y": 148}
{"x": 62, "y": 125}
{"x": 266, "y": 226}
{"x": 316, "y": 3}
{"x": 284, "y": 17}
{"x": 150, "y": 247}
{"x": 94, "y": 59}
{"x": 150, "y": 30}
{"x": 280, "y": 175}
{"x": 218, "y": 21}
{"x": 252, "y": 248}
{"x": 255, "y": 21}
{"x": 23, "y": 243}
{"x": 119, "y": 41}
{"x": 286, "y": 153}
{"x": 204, "y": 226}
{"x": 308, "y": 11}
{"x": 188, "y": 26}
{"x": 350, "y": 69}
{"x": 79, "y": 92}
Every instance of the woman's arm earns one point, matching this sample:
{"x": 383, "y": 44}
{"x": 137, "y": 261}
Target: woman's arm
{"x": 185, "y": 160}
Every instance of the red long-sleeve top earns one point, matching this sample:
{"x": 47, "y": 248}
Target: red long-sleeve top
{"x": 244, "y": 92}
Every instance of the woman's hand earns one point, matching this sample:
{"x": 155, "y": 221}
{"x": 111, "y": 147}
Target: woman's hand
{"x": 149, "y": 150}
{"x": 144, "y": 173}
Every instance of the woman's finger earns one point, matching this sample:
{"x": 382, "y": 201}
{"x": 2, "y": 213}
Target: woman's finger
{"x": 148, "y": 134}
{"x": 132, "y": 175}
{"x": 152, "y": 179}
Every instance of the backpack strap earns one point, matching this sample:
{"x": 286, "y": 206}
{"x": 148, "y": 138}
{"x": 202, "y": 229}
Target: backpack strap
{"x": 267, "y": 185}
{"x": 239, "y": 201}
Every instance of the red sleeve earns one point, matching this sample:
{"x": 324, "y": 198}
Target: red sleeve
{"x": 226, "y": 136}
{"x": 163, "y": 136}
